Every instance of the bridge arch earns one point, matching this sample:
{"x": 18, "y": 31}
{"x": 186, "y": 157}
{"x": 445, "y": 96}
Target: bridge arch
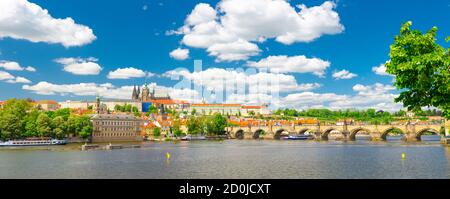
{"x": 239, "y": 134}
{"x": 303, "y": 131}
{"x": 354, "y": 132}
{"x": 278, "y": 133}
{"x": 424, "y": 130}
{"x": 325, "y": 134}
{"x": 258, "y": 134}
{"x": 385, "y": 133}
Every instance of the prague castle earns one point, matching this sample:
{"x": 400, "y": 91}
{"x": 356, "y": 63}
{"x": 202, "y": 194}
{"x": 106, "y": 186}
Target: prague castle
{"x": 146, "y": 95}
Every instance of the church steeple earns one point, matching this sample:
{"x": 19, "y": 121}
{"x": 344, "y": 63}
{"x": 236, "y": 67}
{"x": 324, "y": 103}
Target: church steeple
{"x": 138, "y": 92}
{"x": 133, "y": 95}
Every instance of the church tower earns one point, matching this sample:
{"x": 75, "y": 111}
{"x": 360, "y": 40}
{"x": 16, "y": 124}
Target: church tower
{"x": 138, "y": 93}
{"x": 133, "y": 95}
{"x": 145, "y": 93}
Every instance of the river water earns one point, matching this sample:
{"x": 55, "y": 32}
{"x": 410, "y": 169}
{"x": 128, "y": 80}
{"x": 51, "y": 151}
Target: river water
{"x": 234, "y": 159}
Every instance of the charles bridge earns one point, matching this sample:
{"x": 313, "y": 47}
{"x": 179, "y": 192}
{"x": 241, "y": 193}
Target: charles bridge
{"x": 411, "y": 132}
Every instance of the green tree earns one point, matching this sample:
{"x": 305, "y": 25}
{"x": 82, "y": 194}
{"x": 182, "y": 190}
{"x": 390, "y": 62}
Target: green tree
{"x": 193, "y": 125}
{"x": 127, "y": 108}
{"x": 135, "y": 109}
{"x": 152, "y": 109}
{"x": 421, "y": 68}
{"x": 118, "y": 108}
{"x": 216, "y": 124}
{"x": 156, "y": 131}
{"x": 59, "y": 127}
{"x": 176, "y": 128}
{"x": 86, "y": 132}
{"x": 252, "y": 113}
{"x": 43, "y": 125}
{"x": 10, "y": 126}
{"x": 30, "y": 123}
{"x": 79, "y": 126}
{"x": 64, "y": 113}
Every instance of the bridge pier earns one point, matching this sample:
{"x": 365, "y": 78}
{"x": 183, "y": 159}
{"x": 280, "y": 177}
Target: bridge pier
{"x": 376, "y": 136}
{"x": 411, "y": 137}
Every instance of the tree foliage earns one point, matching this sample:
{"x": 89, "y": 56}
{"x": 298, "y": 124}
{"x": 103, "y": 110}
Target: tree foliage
{"x": 422, "y": 69}
{"x": 369, "y": 115}
{"x": 19, "y": 119}
{"x": 212, "y": 125}
{"x": 156, "y": 131}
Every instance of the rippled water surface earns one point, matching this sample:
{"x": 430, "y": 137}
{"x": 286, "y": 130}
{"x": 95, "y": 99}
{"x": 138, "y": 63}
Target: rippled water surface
{"x": 234, "y": 159}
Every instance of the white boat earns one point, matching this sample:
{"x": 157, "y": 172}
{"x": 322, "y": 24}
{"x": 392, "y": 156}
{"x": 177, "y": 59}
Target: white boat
{"x": 190, "y": 137}
{"x": 296, "y": 137}
{"x": 40, "y": 142}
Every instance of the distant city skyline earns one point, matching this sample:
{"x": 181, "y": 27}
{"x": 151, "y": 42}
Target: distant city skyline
{"x": 323, "y": 54}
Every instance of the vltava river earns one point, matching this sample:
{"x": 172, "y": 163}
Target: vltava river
{"x": 233, "y": 159}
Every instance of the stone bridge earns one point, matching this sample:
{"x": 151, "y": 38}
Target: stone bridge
{"x": 411, "y": 132}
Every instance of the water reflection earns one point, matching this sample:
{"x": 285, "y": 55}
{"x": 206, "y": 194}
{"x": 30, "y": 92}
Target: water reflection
{"x": 237, "y": 159}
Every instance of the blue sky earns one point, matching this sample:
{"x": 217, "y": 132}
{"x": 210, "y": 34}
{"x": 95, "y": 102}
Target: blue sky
{"x": 134, "y": 34}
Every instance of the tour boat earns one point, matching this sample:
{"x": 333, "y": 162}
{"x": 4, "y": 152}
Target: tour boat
{"x": 296, "y": 137}
{"x": 190, "y": 137}
{"x": 40, "y": 142}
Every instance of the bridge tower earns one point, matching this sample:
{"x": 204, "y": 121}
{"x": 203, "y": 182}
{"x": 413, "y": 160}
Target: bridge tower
{"x": 345, "y": 131}
{"x": 318, "y": 133}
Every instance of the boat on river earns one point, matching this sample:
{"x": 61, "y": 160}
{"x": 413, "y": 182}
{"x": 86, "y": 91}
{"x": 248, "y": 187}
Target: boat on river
{"x": 190, "y": 138}
{"x": 33, "y": 142}
{"x": 296, "y": 137}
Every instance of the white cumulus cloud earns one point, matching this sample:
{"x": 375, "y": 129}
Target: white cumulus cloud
{"x": 344, "y": 74}
{"x": 380, "y": 70}
{"x": 11, "y": 65}
{"x": 127, "y": 73}
{"x": 22, "y": 80}
{"x": 295, "y": 64}
{"x": 378, "y": 96}
{"x": 247, "y": 22}
{"x": 180, "y": 54}
{"x": 80, "y": 66}
{"x": 106, "y": 90}
{"x": 7, "y": 77}
{"x": 219, "y": 85}
{"x": 20, "y": 19}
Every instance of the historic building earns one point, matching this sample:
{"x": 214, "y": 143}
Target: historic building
{"x": 113, "y": 128}
{"x": 84, "y": 105}
{"x": 47, "y": 105}
{"x": 146, "y": 95}
{"x": 209, "y": 109}
{"x": 255, "y": 109}
{"x": 229, "y": 109}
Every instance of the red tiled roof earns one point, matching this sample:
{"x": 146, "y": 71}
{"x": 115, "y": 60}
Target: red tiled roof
{"x": 168, "y": 101}
{"x": 252, "y": 107}
{"x": 46, "y": 102}
{"x": 215, "y": 105}
{"x": 163, "y": 101}
{"x": 150, "y": 124}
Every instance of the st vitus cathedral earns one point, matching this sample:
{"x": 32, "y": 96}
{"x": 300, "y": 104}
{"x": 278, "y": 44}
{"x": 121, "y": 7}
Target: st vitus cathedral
{"x": 146, "y": 95}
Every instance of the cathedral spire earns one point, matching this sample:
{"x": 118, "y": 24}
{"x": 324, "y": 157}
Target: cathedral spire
{"x": 133, "y": 95}
{"x": 138, "y": 92}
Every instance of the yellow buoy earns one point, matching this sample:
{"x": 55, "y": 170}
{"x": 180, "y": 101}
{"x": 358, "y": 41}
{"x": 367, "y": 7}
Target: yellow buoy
{"x": 403, "y": 156}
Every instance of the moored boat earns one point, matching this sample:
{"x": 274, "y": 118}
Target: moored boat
{"x": 296, "y": 137}
{"x": 190, "y": 138}
{"x": 33, "y": 142}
